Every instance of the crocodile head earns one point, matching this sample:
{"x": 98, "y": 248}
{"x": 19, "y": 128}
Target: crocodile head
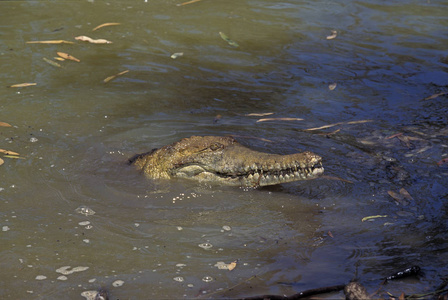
{"x": 225, "y": 161}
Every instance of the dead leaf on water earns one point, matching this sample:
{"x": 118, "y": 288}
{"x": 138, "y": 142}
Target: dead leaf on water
{"x": 279, "y": 119}
{"x": 435, "y": 96}
{"x": 228, "y": 40}
{"x": 176, "y": 55}
{"x": 1, "y": 161}
{"x": 333, "y": 35}
{"x": 340, "y": 123}
{"x": 114, "y": 76}
{"x": 84, "y": 38}
{"x": 53, "y": 63}
{"x": 394, "y": 135}
{"x": 50, "y": 42}
{"x": 104, "y": 25}
{"x": 188, "y": 2}
{"x": 406, "y": 194}
{"x": 23, "y": 84}
{"x": 4, "y": 124}
{"x": 399, "y": 198}
{"x": 7, "y": 152}
{"x": 232, "y": 265}
{"x": 373, "y": 217}
{"x": 332, "y": 86}
{"x": 58, "y": 58}
{"x": 67, "y": 56}
{"x": 13, "y": 156}
{"x": 259, "y": 114}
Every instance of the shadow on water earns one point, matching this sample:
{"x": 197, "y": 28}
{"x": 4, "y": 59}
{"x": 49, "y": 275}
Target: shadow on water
{"x": 165, "y": 239}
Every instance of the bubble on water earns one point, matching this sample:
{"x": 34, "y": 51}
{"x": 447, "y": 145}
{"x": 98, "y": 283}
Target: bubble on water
{"x": 86, "y": 241}
{"x": 179, "y": 228}
{"x": 5, "y": 228}
{"x": 207, "y": 279}
{"x": 117, "y": 283}
{"x": 92, "y": 280}
{"x": 190, "y": 285}
{"x": 84, "y": 210}
{"x": 181, "y": 265}
{"x": 33, "y": 140}
{"x": 41, "y": 277}
{"x": 84, "y": 223}
{"x": 62, "y": 277}
{"x": 205, "y": 246}
{"x": 178, "y": 279}
{"x": 89, "y": 295}
{"x": 226, "y": 228}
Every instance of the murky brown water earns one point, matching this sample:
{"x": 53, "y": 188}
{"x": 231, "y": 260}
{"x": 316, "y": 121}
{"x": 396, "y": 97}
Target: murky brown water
{"x": 151, "y": 240}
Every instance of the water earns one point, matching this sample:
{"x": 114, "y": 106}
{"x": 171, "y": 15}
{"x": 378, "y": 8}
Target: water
{"x": 164, "y": 239}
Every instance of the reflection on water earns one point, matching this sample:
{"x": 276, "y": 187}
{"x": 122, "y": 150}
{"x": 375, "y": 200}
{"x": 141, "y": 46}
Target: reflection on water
{"x": 167, "y": 239}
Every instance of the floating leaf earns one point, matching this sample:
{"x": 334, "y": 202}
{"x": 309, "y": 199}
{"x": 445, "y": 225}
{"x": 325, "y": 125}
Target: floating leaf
{"x": 58, "y": 58}
{"x": 176, "y": 55}
{"x": 279, "y": 119}
{"x": 114, "y": 76}
{"x": 333, "y": 35}
{"x": 7, "y": 152}
{"x": 435, "y": 96}
{"x": 405, "y": 194}
{"x": 188, "y": 2}
{"x": 259, "y": 114}
{"x": 84, "y": 38}
{"x": 53, "y": 63}
{"x": 398, "y": 197}
{"x": 373, "y": 217}
{"x": 340, "y": 123}
{"x": 104, "y": 25}
{"x": 23, "y": 84}
{"x": 228, "y": 40}
{"x": 3, "y": 124}
{"x": 12, "y": 156}
{"x": 67, "y": 56}
{"x": 332, "y": 86}
{"x": 232, "y": 265}
{"x": 50, "y": 42}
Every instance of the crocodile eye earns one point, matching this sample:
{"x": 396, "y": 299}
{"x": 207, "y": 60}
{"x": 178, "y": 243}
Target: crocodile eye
{"x": 216, "y": 146}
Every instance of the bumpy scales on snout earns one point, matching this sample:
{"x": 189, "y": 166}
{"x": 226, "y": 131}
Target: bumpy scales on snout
{"x": 225, "y": 161}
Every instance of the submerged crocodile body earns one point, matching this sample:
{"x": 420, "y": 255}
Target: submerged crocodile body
{"x": 225, "y": 161}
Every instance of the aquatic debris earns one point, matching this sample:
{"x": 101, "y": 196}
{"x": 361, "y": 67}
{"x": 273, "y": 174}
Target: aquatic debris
{"x": 339, "y": 123}
{"x": 84, "y": 210}
{"x": 104, "y": 25}
{"x": 333, "y": 35}
{"x": 115, "y": 76}
{"x": 414, "y": 270}
{"x": 176, "y": 55}
{"x": 84, "y": 38}
{"x": 402, "y": 197}
{"x": 205, "y": 246}
{"x": 117, "y": 283}
{"x": 228, "y": 40}
{"x": 67, "y": 56}
{"x": 259, "y": 114}
{"x": 442, "y": 161}
{"x": 279, "y": 119}
{"x": 332, "y": 86}
{"x": 223, "y": 266}
{"x": 373, "y": 217}
{"x": 435, "y": 96}
{"x": 53, "y": 63}
{"x": 50, "y": 42}
{"x": 65, "y": 270}
{"x": 226, "y": 228}
{"x": 7, "y": 152}
{"x": 25, "y": 84}
{"x": 188, "y": 2}
{"x": 3, "y": 124}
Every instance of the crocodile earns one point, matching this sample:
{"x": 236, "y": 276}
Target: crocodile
{"x": 221, "y": 159}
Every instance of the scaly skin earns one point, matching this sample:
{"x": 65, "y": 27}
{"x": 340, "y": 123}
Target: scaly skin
{"x": 225, "y": 161}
